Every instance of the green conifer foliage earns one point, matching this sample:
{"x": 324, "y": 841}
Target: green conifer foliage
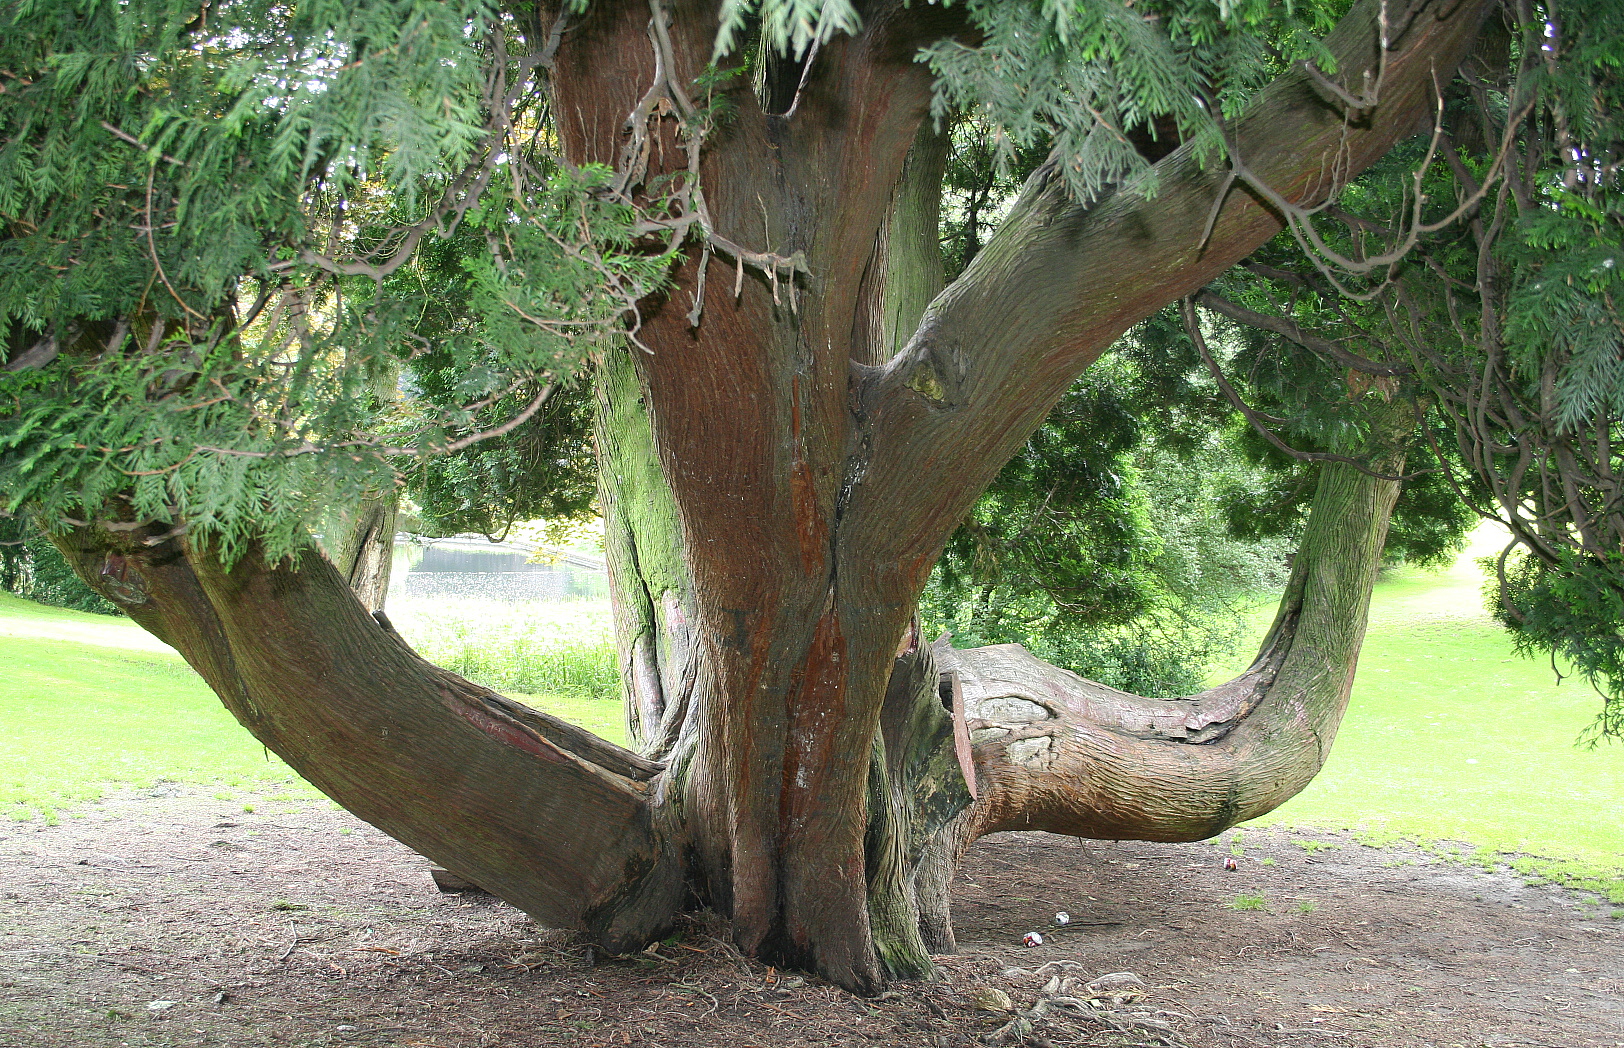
{"x": 1477, "y": 272}
{"x": 213, "y": 215}
{"x": 235, "y": 232}
{"x": 32, "y": 567}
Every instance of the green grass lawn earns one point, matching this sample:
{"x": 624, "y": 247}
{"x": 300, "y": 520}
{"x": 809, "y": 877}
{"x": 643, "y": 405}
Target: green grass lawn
{"x": 1450, "y": 737}
{"x": 112, "y": 706}
{"x": 602, "y": 717}
{"x": 77, "y": 717}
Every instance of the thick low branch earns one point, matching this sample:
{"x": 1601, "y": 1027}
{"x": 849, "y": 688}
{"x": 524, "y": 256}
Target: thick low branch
{"x": 1056, "y": 752}
{"x": 1061, "y": 281}
{"x": 532, "y": 809}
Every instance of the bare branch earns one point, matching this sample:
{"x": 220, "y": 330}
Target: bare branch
{"x": 507, "y": 427}
{"x": 132, "y": 140}
{"x": 1294, "y": 331}
{"x": 38, "y": 355}
{"x": 1192, "y": 327}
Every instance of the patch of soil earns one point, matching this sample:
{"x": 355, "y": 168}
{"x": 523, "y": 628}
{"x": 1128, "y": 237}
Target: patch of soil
{"x": 172, "y": 918}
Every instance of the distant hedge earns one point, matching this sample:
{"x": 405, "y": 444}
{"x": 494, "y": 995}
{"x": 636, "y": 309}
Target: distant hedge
{"x": 33, "y": 568}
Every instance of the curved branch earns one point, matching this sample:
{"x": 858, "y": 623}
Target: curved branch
{"x": 1071, "y": 756}
{"x": 1294, "y": 331}
{"x": 1061, "y": 281}
{"x": 1257, "y": 419}
{"x": 532, "y": 809}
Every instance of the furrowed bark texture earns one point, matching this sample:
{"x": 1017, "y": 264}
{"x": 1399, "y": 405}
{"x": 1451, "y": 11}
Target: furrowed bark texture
{"x": 751, "y": 420}
{"x": 818, "y": 454}
{"x": 1056, "y": 752}
{"x": 917, "y": 789}
{"x": 652, "y": 592}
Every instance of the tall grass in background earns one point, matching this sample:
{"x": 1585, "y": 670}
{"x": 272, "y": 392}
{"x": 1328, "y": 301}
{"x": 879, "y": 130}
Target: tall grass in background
{"x": 556, "y": 647}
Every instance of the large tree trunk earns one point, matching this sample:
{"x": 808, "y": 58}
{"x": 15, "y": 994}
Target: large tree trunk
{"x": 818, "y": 449}
{"x": 778, "y": 482}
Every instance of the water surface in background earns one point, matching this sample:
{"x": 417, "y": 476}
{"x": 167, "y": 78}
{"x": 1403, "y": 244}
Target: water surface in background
{"x": 433, "y": 572}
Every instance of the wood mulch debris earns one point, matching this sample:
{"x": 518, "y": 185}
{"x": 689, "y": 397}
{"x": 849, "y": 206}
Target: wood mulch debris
{"x": 169, "y": 917}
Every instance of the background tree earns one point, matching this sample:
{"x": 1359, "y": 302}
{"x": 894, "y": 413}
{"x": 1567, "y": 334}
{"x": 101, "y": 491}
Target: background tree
{"x": 797, "y": 418}
{"x": 32, "y": 567}
{"x": 1102, "y": 545}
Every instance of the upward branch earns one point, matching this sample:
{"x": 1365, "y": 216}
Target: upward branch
{"x": 1060, "y": 281}
{"x": 1066, "y": 755}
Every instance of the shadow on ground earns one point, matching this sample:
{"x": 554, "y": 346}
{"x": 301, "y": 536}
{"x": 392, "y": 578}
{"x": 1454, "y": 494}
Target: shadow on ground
{"x": 182, "y": 919}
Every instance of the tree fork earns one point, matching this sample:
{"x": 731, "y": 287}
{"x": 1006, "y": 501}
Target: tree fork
{"x": 812, "y": 495}
{"x": 816, "y": 473}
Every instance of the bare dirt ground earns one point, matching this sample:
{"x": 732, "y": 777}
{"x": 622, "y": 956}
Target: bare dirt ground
{"x": 175, "y": 918}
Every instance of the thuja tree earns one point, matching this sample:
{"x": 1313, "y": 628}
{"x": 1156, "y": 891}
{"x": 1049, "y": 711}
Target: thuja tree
{"x": 733, "y": 215}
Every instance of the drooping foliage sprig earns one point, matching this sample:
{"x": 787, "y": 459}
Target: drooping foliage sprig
{"x": 1110, "y": 86}
{"x": 1095, "y": 80}
{"x": 1570, "y": 613}
{"x": 209, "y": 274}
{"x": 1504, "y": 327}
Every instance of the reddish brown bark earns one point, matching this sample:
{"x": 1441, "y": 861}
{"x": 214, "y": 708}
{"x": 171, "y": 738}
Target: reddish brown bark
{"x": 812, "y": 493}
{"x": 751, "y": 419}
{"x": 531, "y": 808}
{"x": 815, "y": 492}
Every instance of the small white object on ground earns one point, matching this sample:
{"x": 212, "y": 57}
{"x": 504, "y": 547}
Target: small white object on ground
{"x": 1032, "y": 939}
{"x": 1062, "y": 919}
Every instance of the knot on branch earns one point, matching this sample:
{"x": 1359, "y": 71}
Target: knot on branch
{"x": 121, "y": 582}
